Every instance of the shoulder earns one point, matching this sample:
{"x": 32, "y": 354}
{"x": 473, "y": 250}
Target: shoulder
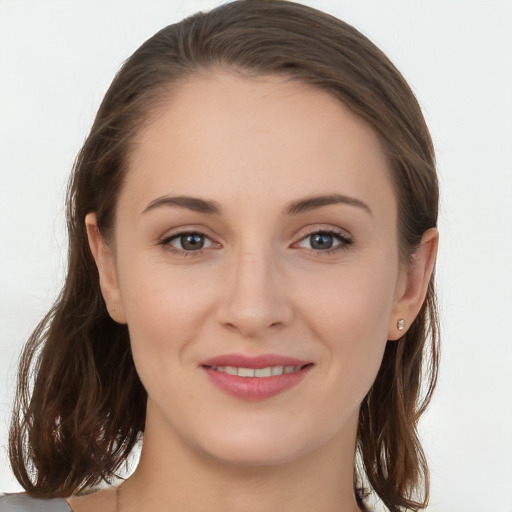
{"x": 21, "y": 502}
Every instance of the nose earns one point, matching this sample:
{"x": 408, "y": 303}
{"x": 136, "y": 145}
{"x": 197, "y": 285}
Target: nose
{"x": 255, "y": 299}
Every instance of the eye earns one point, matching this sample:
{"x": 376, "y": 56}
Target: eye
{"x": 325, "y": 241}
{"x": 187, "y": 242}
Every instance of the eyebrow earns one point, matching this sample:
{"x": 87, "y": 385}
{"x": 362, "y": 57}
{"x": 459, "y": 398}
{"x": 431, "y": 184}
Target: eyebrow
{"x": 190, "y": 203}
{"x": 197, "y": 204}
{"x": 311, "y": 203}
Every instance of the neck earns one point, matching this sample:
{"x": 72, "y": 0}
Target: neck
{"x": 173, "y": 475}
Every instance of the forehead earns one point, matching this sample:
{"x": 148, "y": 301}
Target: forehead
{"x": 230, "y": 135}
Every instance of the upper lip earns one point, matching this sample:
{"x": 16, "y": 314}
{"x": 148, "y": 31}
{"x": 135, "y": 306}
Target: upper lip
{"x": 254, "y": 362}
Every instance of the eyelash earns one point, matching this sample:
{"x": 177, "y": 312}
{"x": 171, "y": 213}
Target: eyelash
{"x": 341, "y": 236}
{"x": 167, "y": 241}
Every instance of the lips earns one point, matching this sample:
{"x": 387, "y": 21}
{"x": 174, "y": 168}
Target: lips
{"x": 255, "y": 378}
{"x": 268, "y": 371}
{"x": 261, "y": 361}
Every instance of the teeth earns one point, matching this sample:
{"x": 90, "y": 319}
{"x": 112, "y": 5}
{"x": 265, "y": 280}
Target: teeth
{"x": 259, "y": 372}
{"x": 263, "y": 372}
{"x": 246, "y": 372}
{"x": 231, "y": 370}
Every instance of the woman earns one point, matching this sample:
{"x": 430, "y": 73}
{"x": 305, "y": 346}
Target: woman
{"x": 252, "y": 225}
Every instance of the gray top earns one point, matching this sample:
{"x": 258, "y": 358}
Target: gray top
{"x": 21, "y": 502}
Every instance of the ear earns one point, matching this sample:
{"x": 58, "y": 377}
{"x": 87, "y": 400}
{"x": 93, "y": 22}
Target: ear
{"x": 105, "y": 261}
{"x": 413, "y": 285}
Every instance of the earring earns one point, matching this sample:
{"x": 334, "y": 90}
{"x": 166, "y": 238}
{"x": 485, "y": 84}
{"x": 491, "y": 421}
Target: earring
{"x": 113, "y": 309}
{"x": 400, "y": 324}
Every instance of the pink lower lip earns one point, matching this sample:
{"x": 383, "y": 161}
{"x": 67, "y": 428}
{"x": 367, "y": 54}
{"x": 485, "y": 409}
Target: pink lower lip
{"x": 255, "y": 388}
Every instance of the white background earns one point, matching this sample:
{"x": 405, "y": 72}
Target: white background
{"x": 57, "y": 58}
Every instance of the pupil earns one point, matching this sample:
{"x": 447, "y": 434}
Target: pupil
{"x": 321, "y": 241}
{"x": 192, "y": 242}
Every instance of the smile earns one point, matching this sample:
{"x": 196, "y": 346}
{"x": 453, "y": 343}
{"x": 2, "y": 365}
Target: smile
{"x": 252, "y": 378}
{"x": 269, "y": 371}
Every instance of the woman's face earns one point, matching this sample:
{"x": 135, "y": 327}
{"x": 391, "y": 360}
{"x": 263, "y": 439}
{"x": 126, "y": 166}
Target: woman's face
{"x": 255, "y": 261}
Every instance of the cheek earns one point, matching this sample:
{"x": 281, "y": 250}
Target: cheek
{"x": 354, "y": 301}
{"x": 158, "y": 297}
{"x": 164, "y": 310}
{"x": 350, "y": 315}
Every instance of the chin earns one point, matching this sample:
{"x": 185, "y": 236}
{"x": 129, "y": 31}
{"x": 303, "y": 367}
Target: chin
{"x": 253, "y": 454}
{"x": 258, "y": 445}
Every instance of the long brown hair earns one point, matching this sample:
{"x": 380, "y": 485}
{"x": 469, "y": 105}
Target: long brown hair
{"x": 80, "y": 406}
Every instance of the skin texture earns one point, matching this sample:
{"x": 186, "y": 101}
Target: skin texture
{"x": 260, "y": 285}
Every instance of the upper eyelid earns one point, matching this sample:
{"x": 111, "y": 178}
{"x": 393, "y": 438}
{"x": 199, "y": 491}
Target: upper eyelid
{"x": 339, "y": 232}
{"x": 171, "y": 233}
